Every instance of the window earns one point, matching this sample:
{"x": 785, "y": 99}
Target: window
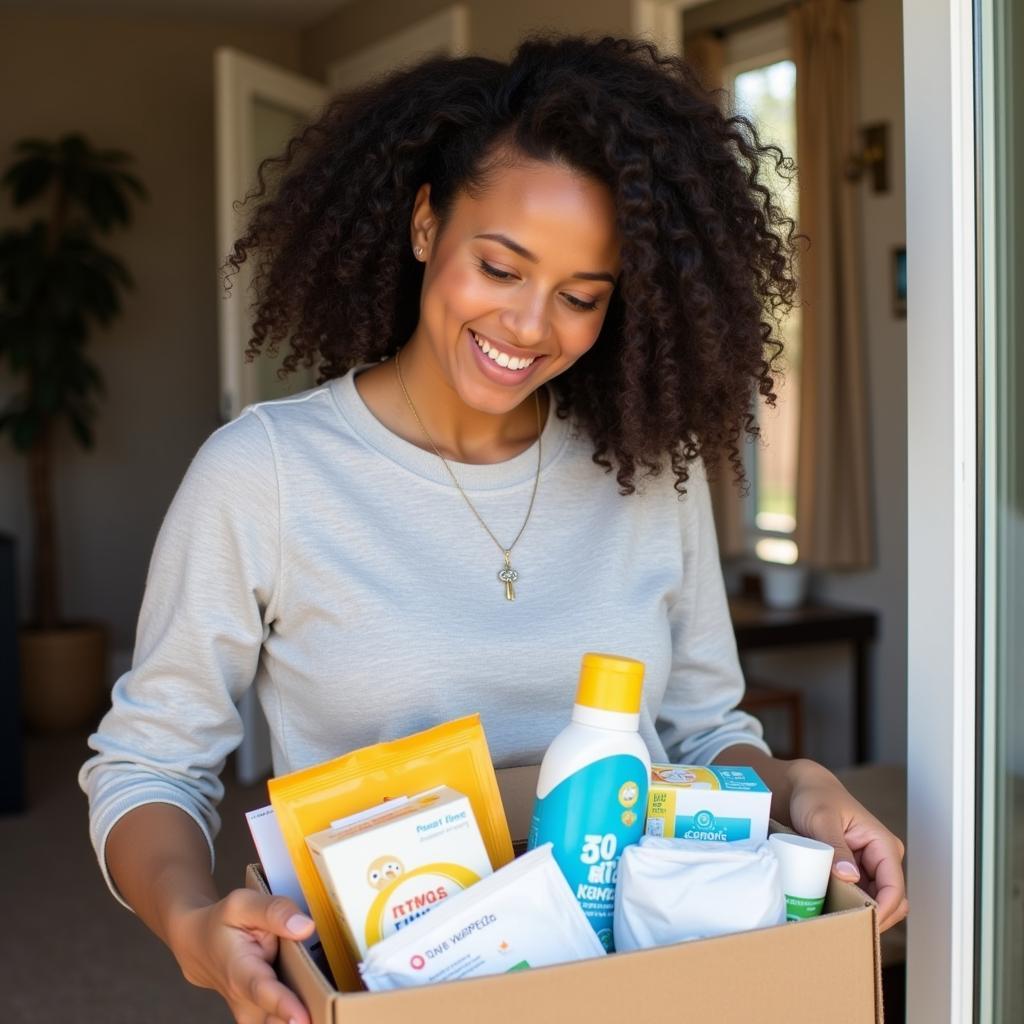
{"x": 761, "y": 78}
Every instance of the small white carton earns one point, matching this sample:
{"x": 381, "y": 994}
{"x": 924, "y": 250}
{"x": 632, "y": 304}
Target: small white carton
{"x": 385, "y": 868}
{"x": 713, "y": 803}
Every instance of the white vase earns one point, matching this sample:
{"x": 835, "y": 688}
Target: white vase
{"x": 783, "y": 586}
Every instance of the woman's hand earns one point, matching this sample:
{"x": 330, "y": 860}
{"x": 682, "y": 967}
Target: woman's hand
{"x": 812, "y": 801}
{"x": 229, "y": 946}
{"x": 866, "y": 851}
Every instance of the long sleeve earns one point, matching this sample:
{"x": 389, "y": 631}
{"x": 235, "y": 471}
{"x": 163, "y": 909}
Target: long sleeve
{"x": 209, "y": 600}
{"x": 698, "y": 717}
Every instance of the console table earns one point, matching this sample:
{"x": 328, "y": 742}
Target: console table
{"x": 758, "y": 627}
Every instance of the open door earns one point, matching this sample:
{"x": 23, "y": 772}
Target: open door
{"x": 259, "y": 107}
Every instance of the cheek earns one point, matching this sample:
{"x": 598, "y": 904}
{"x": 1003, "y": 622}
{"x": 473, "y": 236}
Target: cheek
{"x": 458, "y": 293}
{"x": 580, "y": 335}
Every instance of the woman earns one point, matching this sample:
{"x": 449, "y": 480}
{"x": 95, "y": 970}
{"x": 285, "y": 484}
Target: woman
{"x": 542, "y": 295}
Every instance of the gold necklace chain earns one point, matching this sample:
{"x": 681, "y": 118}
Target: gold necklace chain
{"x": 507, "y": 575}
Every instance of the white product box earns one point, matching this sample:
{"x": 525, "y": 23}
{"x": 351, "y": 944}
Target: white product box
{"x": 384, "y": 870}
{"x": 713, "y": 803}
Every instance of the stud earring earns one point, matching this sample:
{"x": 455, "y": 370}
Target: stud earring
{"x": 419, "y": 252}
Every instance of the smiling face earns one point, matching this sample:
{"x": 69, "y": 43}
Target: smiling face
{"x": 517, "y": 282}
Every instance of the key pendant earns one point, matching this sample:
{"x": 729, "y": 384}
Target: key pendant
{"x": 508, "y": 576}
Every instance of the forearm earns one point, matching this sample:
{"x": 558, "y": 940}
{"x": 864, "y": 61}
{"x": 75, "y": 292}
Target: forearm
{"x": 160, "y": 861}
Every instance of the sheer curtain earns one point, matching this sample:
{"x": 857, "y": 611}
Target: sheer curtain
{"x": 833, "y": 517}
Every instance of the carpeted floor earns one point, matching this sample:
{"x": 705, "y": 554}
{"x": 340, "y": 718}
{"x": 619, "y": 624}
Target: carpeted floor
{"x": 70, "y": 952}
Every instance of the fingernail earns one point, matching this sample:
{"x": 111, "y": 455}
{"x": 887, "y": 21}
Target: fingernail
{"x": 844, "y": 867}
{"x": 298, "y": 923}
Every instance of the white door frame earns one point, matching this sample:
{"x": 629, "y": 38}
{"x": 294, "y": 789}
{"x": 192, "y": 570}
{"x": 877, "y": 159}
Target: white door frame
{"x": 239, "y": 80}
{"x": 942, "y": 495}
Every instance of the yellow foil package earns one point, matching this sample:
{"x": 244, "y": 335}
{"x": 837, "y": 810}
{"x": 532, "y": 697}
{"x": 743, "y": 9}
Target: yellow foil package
{"x": 454, "y": 754}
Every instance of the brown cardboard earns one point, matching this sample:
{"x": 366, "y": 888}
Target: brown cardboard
{"x": 825, "y": 969}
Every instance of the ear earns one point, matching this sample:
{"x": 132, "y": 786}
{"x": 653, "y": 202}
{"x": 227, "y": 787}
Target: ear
{"x": 423, "y": 226}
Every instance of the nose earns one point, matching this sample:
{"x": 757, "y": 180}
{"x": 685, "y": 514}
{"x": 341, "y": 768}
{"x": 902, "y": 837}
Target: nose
{"x": 527, "y": 318}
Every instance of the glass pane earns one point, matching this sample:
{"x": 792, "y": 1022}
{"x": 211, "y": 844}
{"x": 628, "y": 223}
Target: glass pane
{"x": 768, "y": 96}
{"x": 1000, "y": 990}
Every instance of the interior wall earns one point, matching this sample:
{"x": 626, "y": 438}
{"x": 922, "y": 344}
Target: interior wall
{"x": 144, "y": 85}
{"x": 824, "y": 674}
{"x": 494, "y": 28}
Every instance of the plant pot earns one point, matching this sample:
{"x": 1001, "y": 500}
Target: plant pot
{"x": 63, "y": 676}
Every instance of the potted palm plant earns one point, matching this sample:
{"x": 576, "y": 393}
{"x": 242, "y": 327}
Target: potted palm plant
{"x": 57, "y": 284}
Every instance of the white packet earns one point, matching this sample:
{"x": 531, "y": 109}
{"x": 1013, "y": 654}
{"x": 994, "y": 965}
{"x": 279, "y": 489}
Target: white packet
{"x": 524, "y": 915}
{"x": 672, "y": 890}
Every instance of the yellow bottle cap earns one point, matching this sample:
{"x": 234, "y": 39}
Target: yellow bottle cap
{"x": 610, "y": 683}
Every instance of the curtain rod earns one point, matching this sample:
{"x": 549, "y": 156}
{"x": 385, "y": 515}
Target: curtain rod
{"x": 721, "y": 31}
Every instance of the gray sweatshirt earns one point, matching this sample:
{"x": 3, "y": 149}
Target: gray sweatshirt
{"x": 312, "y": 553}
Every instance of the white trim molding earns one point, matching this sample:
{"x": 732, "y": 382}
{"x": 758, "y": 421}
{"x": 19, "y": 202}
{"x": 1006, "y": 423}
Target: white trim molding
{"x": 942, "y": 520}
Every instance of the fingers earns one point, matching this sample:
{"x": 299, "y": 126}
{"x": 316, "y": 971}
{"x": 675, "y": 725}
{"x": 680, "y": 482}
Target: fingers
{"x": 260, "y": 996}
{"x": 827, "y": 827}
{"x": 868, "y": 851}
{"x": 901, "y": 912}
{"x": 881, "y": 855}
{"x": 276, "y": 915}
{"x": 882, "y": 859}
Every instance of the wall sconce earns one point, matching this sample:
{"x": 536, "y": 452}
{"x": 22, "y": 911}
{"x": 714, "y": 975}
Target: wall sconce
{"x": 873, "y": 157}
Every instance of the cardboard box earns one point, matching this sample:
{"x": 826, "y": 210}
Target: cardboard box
{"x": 807, "y": 972}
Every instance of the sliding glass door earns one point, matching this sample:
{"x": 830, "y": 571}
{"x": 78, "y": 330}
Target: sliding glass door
{"x": 999, "y": 40}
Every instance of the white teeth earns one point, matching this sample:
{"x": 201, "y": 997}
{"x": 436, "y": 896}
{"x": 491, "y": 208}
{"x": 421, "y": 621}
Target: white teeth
{"x": 501, "y": 358}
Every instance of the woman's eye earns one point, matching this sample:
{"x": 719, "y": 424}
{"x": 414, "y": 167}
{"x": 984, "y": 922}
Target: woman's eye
{"x": 498, "y": 275}
{"x": 504, "y": 275}
{"x": 580, "y": 304}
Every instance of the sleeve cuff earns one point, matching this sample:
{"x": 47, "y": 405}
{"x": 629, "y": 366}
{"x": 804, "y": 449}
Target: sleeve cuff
{"x": 707, "y": 748}
{"x": 117, "y": 810}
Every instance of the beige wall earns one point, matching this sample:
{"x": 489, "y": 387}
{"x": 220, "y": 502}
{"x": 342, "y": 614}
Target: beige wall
{"x": 494, "y": 28}
{"x": 145, "y": 86}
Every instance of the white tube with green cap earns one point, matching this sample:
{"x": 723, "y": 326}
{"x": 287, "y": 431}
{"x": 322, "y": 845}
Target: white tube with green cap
{"x": 804, "y": 865}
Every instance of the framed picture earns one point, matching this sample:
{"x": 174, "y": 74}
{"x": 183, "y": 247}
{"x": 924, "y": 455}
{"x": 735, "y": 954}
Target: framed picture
{"x": 899, "y": 283}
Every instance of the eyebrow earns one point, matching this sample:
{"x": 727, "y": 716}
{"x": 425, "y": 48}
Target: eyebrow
{"x": 519, "y": 250}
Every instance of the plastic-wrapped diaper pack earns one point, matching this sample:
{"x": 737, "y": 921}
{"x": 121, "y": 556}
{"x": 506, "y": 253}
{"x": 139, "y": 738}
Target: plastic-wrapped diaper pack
{"x": 524, "y": 915}
{"x": 672, "y": 890}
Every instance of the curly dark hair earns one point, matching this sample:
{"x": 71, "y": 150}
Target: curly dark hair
{"x": 691, "y": 332}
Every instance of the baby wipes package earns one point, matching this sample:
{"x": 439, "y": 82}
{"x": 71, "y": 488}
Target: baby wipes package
{"x": 384, "y": 870}
{"x": 672, "y": 890}
{"x": 308, "y": 801}
{"x": 713, "y": 803}
{"x": 524, "y": 915}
